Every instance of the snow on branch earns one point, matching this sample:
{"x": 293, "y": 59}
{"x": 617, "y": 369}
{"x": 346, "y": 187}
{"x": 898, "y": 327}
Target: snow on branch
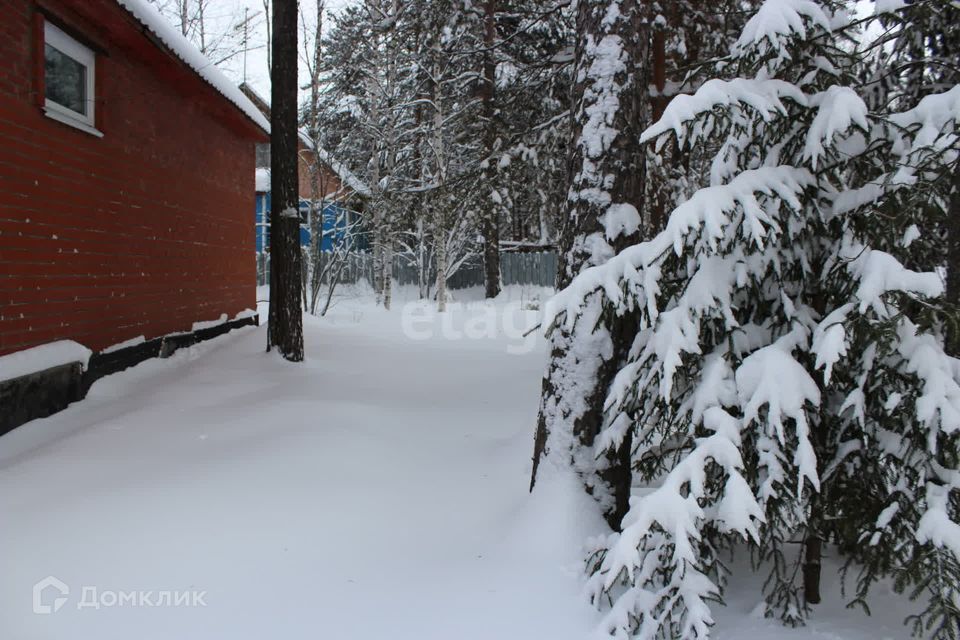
{"x": 764, "y": 96}
{"x": 938, "y": 406}
{"x": 880, "y": 273}
{"x": 777, "y": 22}
{"x": 932, "y": 115}
{"x": 838, "y": 108}
{"x": 770, "y": 377}
{"x": 935, "y": 525}
{"x": 707, "y": 215}
{"x": 664, "y": 525}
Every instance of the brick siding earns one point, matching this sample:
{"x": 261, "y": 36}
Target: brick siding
{"x": 142, "y": 232}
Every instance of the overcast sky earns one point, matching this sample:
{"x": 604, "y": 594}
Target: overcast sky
{"x": 226, "y": 12}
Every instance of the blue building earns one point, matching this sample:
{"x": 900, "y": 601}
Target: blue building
{"x": 337, "y": 221}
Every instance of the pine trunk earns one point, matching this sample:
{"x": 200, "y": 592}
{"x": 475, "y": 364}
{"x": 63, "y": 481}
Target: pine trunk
{"x": 286, "y": 317}
{"x": 953, "y": 260}
{"x": 491, "y": 216}
{"x": 606, "y": 167}
{"x": 811, "y": 569}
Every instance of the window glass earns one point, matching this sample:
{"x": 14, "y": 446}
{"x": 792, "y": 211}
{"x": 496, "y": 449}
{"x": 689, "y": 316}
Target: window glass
{"x": 263, "y": 156}
{"x": 65, "y": 79}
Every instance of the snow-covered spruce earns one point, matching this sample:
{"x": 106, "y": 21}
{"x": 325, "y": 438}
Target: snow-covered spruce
{"x": 788, "y": 383}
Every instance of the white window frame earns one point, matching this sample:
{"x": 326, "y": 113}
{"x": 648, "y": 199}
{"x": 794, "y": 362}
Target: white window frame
{"x": 59, "y": 40}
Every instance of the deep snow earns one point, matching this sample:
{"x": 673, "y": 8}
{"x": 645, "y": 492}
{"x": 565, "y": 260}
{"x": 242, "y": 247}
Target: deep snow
{"x": 376, "y": 490}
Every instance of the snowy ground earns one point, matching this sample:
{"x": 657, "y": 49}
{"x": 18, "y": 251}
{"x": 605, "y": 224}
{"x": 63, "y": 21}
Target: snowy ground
{"x": 377, "y": 490}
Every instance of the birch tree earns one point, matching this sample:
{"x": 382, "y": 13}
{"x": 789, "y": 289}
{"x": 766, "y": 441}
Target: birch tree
{"x": 490, "y": 215}
{"x": 312, "y": 58}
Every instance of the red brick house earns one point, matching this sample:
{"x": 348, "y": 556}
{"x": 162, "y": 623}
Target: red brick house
{"x": 126, "y": 178}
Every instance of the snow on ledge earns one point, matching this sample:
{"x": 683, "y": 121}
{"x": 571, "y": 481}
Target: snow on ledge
{"x": 223, "y": 319}
{"x": 55, "y": 354}
{"x": 209, "y": 324}
{"x": 150, "y": 17}
{"x": 132, "y": 342}
{"x": 43, "y": 357}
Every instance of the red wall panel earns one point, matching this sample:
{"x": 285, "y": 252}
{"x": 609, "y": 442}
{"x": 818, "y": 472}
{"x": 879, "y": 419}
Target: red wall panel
{"x": 143, "y": 231}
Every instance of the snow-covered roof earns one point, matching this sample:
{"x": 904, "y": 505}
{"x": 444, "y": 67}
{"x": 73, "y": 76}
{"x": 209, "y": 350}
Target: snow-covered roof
{"x": 263, "y": 180}
{"x": 150, "y": 17}
{"x": 346, "y": 176}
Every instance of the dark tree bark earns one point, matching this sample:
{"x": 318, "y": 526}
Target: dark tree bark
{"x": 811, "y": 569}
{"x": 622, "y": 160}
{"x": 491, "y": 217}
{"x": 286, "y": 305}
{"x": 953, "y": 258}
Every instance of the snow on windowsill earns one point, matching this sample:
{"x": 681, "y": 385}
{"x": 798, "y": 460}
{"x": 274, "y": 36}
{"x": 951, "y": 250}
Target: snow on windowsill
{"x": 72, "y": 122}
{"x": 43, "y": 357}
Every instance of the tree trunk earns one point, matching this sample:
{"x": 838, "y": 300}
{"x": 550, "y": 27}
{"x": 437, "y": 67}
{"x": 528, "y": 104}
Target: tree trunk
{"x": 316, "y": 232}
{"x": 491, "y": 215}
{"x": 286, "y": 316}
{"x": 377, "y": 201}
{"x": 184, "y": 17}
{"x": 267, "y": 12}
{"x": 439, "y": 210}
{"x": 440, "y": 243}
{"x": 201, "y": 24}
{"x": 387, "y": 277}
{"x": 811, "y": 569}
{"x": 584, "y": 360}
{"x": 387, "y": 198}
{"x": 953, "y": 260}
{"x": 316, "y": 204}
{"x": 423, "y": 270}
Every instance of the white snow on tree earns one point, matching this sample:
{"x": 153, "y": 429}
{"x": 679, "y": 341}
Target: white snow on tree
{"x": 788, "y": 384}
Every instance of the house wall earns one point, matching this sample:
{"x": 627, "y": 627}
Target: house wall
{"x": 328, "y": 183}
{"x": 141, "y": 232}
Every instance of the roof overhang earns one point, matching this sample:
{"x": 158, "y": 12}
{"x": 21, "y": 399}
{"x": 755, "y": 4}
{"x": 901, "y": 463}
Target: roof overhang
{"x": 116, "y": 27}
